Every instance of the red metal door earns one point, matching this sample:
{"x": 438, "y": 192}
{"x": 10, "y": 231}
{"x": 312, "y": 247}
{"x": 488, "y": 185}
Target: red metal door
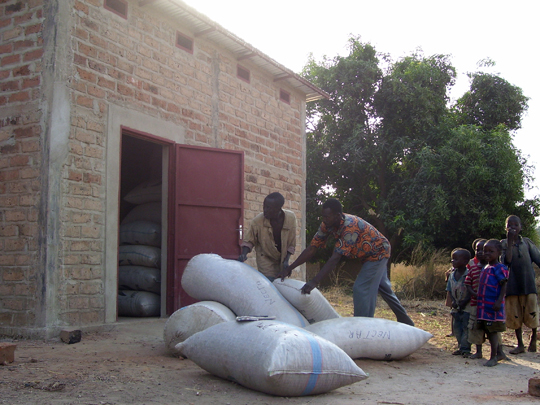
{"x": 208, "y": 210}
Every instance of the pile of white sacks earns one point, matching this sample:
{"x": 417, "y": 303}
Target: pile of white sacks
{"x": 307, "y": 349}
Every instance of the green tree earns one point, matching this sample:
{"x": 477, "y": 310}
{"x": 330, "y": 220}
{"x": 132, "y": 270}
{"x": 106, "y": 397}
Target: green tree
{"x": 392, "y": 149}
{"x": 491, "y": 101}
{"x": 466, "y": 187}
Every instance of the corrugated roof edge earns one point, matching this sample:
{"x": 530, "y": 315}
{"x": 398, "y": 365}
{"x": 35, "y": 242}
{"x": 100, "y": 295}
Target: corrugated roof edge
{"x": 311, "y": 91}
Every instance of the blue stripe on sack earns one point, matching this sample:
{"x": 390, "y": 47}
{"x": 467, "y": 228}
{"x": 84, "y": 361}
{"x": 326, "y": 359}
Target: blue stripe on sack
{"x": 316, "y": 367}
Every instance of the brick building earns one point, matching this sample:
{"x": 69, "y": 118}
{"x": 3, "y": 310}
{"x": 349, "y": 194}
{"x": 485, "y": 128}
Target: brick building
{"x": 101, "y": 97}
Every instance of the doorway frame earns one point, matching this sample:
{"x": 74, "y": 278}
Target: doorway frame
{"x": 135, "y": 122}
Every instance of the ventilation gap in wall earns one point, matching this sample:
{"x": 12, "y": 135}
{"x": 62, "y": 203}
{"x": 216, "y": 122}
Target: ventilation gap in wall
{"x": 284, "y": 96}
{"x": 184, "y": 42}
{"x": 119, "y": 7}
{"x": 242, "y": 73}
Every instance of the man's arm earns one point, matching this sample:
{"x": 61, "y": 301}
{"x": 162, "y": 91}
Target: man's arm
{"x": 326, "y": 269}
{"x": 305, "y": 256}
{"x": 506, "y": 255}
{"x": 243, "y": 255}
{"x": 534, "y": 252}
{"x": 285, "y": 263}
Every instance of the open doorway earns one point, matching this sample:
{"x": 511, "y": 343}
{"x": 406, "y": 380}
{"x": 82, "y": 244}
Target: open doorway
{"x": 141, "y": 242}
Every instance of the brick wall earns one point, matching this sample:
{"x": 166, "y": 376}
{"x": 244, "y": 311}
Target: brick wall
{"x": 21, "y": 50}
{"x": 133, "y": 63}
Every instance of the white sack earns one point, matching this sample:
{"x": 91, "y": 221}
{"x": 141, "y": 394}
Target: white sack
{"x": 139, "y": 255}
{"x": 209, "y": 277}
{"x": 194, "y": 318}
{"x": 272, "y": 357}
{"x": 146, "y": 192}
{"x": 371, "y": 338}
{"x": 138, "y": 303}
{"x": 145, "y": 212}
{"x": 313, "y": 305}
{"x": 140, "y": 233}
{"x": 139, "y": 278}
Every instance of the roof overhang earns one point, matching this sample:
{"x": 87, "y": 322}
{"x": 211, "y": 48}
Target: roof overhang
{"x": 201, "y": 26}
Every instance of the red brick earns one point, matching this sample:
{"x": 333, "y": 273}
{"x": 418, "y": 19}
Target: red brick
{"x": 87, "y": 50}
{"x": 70, "y": 336}
{"x": 92, "y": 178}
{"x": 81, "y": 7}
{"x": 75, "y": 176}
{"x": 26, "y": 132}
{"x": 33, "y": 55}
{"x": 22, "y": 71}
{"x": 79, "y": 60}
{"x": 10, "y": 60}
{"x": 21, "y": 160}
{"x": 22, "y": 18}
{"x": 96, "y": 91}
{"x": 23, "y": 44}
{"x": 85, "y": 101}
{"x": 11, "y": 85}
{"x": 33, "y": 29}
{"x": 29, "y": 83}
{"x": 7, "y": 352}
{"x": 534, "y": 387}
{"x": 6, "y": 48}
{"x": 108, "y": 84}
{"x": 20, "y": 96}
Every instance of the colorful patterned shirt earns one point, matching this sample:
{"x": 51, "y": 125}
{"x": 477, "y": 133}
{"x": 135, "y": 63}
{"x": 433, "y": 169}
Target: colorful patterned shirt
{"x": 355, "y": 239}
{"x": 489, "y": 288}
{"x": 473, "y": 277}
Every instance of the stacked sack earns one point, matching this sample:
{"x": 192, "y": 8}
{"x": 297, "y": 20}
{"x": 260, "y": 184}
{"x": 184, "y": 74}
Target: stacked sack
{"x": 303, "y": 347}
{"x": 139, "y": 253}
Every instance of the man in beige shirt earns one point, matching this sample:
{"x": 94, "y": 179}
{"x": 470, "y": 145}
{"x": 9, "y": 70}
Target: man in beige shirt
{"x": 273, "y": 235}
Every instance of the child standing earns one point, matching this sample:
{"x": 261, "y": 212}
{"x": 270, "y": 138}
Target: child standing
{"x": 476, "y": 335}
{"x": 490, "y": 299}
{"x": 448, "y": 302}
{"x": 460, "y": 300}
{"x": 521, "y": 301}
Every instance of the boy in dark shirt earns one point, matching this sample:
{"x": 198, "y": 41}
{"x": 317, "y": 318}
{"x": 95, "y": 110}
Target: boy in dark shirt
{"x": 519, "y": 253}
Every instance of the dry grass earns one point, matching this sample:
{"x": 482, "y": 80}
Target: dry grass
{"x": 421, "y": 287}
{"x": 430, "y": 315}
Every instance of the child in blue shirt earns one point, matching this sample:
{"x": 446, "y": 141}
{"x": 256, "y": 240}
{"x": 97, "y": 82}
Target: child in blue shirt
{"x": 490, "y": 299}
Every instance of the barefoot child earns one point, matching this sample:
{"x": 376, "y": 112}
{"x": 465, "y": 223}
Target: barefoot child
{"x": 521, "y": 302}
{"x": 476, "y": 335}
{"x": 460, "y": 300}
{"x": 448, "y": 302}
{"x": 490, "y": 299}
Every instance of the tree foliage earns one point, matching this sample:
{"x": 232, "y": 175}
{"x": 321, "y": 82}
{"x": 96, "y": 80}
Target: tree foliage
{"x": 492, "y": 101}
{"x": 392, "y": 148}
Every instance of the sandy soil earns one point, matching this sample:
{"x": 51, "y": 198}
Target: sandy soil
{"x": 130, "y": 365}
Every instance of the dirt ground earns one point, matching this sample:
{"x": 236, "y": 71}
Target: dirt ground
{"x": 130, "y": 365}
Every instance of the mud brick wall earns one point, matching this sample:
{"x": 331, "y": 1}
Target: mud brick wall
{"x": 62, "y": 64}
{"x": 21, "y": 164}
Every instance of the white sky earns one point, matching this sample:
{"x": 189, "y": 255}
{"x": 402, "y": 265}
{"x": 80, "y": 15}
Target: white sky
{"x": 506, "y": 32}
